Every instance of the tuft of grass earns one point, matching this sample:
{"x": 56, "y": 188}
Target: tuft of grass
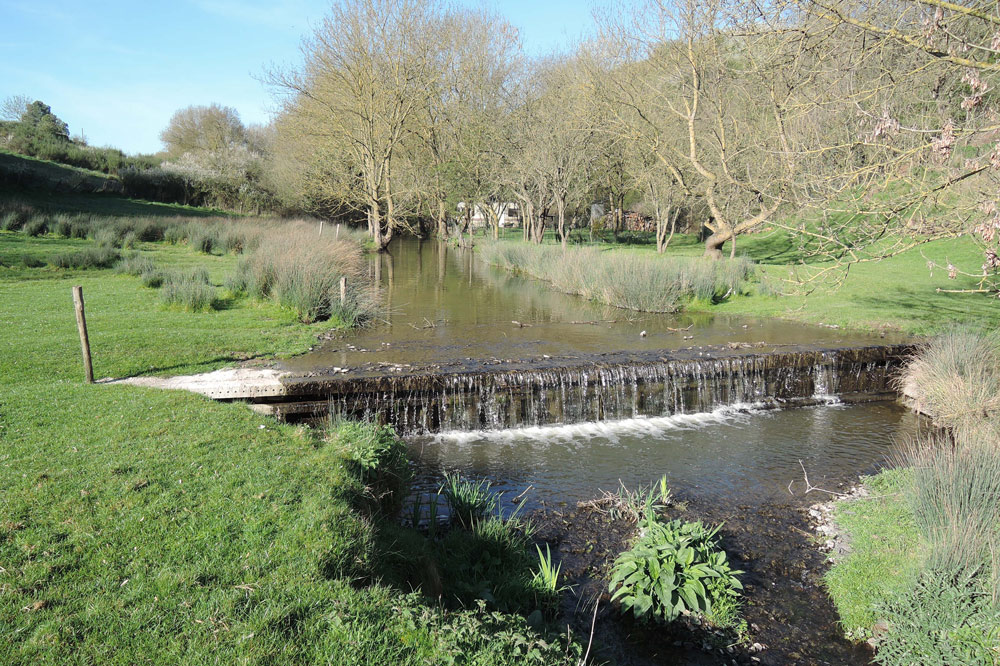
{"x": 97, "y": 257}
{"x": 37, "y": 225}
{"x": 190, "y": 290}
{"x": 135, "y": 264}
{"x": 623, "y": 279}
{"x": 956, "y": 379}
{"x": 470, "y": 502}
{"x": 153, "y": 278}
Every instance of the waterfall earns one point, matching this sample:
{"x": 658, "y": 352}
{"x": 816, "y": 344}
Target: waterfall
{"x": 603, "y": 388}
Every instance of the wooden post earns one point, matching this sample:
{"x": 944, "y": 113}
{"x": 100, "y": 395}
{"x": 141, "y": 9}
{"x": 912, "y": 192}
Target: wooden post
{"x": 337, "y": 235}
{"x": 81, "y": 324}
{"x": 343, "y": 289}
{"x": 321, "y": 228}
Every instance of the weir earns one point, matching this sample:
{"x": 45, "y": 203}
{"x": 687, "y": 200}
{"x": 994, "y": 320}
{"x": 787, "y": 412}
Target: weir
{"x": 597, "y": 388}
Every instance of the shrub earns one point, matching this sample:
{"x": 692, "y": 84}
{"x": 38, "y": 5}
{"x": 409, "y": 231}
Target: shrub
{"x": 673, "y": 568}
{"x": 135, "y": 264}
{"x": 31, "y": 262}
{"x": 95, "y": 257}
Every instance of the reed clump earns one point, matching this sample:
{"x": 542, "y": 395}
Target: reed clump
{"x": 624, "y": 280}
{"x": 94, "y": 257}
{"x": 299, "y": 270}
{"x": 190, "y": 290}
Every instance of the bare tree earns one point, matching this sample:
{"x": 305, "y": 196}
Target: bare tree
{"x": 369, "y": 70}
{"x": 14, "y": 106}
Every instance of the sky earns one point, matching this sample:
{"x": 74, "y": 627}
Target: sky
{"x": 116, "y": 70}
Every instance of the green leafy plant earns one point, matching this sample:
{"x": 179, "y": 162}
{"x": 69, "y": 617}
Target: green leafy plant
{"x": 674, "y": 568}
{"x": 469, "y": 501}
{"x": 547, "y": 576}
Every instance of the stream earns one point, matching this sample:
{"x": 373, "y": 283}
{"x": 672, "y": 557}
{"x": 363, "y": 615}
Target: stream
{"x": 585, "y": 424}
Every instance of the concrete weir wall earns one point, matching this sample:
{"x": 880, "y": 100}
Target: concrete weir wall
{"x": 602, "y": 387}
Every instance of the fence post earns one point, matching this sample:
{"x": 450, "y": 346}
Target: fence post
{"x": 343, "y": 289}
{"x": 81, "y": 324}
{"x": 321, "y": 227}
{"x": 337, "y": 235}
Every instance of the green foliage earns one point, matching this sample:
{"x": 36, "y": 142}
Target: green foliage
{"x": 97, "y": 257}
{"x": 674, "y": 568}
{"x": 469, "y": 501}
{"x": 369, "y": 446}
{"x": 946, "y": 618}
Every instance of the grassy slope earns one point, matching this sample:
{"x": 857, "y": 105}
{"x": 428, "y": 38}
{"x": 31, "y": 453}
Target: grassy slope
{"x": 146, "y": 526}
{"x": 885, "y": 553}
{"x": 896, "y": 293}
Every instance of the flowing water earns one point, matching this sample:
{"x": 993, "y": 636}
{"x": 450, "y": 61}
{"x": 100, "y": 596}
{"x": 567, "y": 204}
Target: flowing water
{"x": 499, "y": 377}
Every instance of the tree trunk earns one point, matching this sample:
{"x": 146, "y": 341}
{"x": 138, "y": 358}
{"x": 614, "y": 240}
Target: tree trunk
{"x": 561, "y": 220}
{"x": 714, "y": 243}
{"x": 442, "y": 220}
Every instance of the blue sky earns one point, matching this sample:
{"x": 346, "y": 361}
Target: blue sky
{"x": 117, "y": 70}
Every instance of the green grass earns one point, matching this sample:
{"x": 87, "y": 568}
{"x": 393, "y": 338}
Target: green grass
{"x": 113, "y": 205}
{"x": 145, "y": 526}
{"x": 899, "y": 293}
{"x": 885, "y": 555}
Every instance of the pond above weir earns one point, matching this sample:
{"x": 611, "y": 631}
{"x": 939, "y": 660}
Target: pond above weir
{"x": 448, "y": 310}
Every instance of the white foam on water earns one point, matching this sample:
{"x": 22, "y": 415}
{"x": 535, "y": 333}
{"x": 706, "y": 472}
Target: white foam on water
{"x": 609, "y": 430}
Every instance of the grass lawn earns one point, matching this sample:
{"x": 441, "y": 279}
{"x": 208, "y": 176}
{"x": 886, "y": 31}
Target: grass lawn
{"x": 899, "y": 293}
{"x": 144, "y": 526}
{"x": 885, "y": 555}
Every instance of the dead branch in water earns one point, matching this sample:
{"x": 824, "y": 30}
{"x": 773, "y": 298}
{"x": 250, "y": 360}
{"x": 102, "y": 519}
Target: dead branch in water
{"x": 810, "y": 487}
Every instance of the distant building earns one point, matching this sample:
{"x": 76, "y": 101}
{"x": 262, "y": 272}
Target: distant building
{"x": 508, "y": 213}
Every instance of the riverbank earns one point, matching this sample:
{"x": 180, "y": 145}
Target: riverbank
{"x": 917, "y": 574}
{"x": 142, "y": 524}
{"x": 896, "y": 294}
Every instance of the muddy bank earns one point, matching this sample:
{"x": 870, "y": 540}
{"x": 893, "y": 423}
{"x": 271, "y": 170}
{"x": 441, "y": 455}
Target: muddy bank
{"x": 790, "y": 619}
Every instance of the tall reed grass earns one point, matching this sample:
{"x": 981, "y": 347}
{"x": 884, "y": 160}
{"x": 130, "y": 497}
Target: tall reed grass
{"x": 623, "y": 279}
{"x": 955, "y": 378}
{"x": 302, "y": 271}
{"x": 952, "y": 613}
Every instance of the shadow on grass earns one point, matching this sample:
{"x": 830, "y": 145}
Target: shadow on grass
{"x": 202, "y": 366}
{"x": 931, "y": 308}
